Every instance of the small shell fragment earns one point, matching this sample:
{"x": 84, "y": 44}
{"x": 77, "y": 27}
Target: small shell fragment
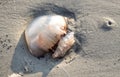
{"x": 109, "y": 22}
{"x": 44, "y": 32}
{"x": 64, "y": 45}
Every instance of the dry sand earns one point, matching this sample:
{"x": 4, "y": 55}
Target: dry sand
{"x": 96, "y": 53}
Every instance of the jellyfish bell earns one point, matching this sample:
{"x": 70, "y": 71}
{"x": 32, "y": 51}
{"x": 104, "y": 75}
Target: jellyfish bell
{"x": 44, "y": 32}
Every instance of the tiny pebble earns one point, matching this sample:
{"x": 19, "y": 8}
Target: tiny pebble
{"x": 9, "y": 40}
{"x": 6, "y": 35}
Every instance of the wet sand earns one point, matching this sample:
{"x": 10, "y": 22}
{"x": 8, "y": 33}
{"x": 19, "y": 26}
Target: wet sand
{"x": 96, "y": 52}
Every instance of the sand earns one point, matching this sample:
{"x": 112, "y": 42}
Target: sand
{"x": 96, "y": 52}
